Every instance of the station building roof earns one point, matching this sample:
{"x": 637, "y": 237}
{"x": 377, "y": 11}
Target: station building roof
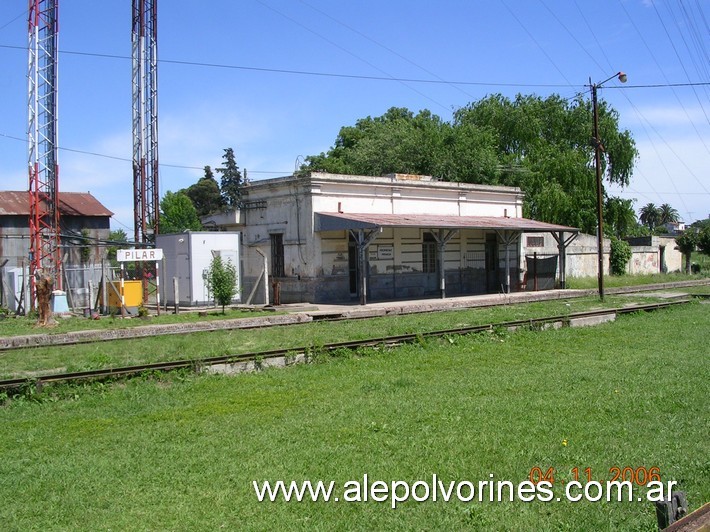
{"x": 336, "y": 221}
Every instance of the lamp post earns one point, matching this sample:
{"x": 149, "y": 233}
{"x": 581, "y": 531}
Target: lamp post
{"x": 598, "y": 149}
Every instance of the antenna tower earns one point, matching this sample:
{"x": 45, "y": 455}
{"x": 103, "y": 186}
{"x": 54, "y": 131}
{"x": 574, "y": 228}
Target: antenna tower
{"x": 43, "y": 29}
{"x": 145, "y": 121}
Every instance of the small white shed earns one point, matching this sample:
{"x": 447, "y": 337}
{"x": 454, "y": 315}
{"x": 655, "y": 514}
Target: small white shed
{"x": 188, "y": 257}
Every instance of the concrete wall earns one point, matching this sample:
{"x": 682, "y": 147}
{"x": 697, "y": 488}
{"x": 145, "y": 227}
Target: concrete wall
{"x": 582, "y": 258}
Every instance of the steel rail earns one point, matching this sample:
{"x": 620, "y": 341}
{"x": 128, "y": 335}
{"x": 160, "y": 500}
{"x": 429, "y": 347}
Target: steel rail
{"x": 319, "y": 317}
{"x": 126, "y": 371}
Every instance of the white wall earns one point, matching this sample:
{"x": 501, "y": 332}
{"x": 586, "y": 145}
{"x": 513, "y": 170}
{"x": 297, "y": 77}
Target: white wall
{"x": 188, "y": 256}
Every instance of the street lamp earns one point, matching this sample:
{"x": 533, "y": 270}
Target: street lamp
{"x": 598, "y": 149}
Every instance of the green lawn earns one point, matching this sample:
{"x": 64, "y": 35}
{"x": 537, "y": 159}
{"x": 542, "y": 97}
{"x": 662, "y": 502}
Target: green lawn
{"x": 21, "y": 325}
{"x": 36, "y": 361}
{"x": 616, "y": 281}
{"x": 181, "y": 452}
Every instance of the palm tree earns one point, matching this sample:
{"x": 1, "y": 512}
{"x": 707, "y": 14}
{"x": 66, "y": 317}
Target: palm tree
{"x": 649, "y": 215}
{"x": 667, "y": 214}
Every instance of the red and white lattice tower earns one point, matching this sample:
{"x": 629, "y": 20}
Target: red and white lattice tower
{"x": 145, "y": 120}
{"x": 43, "y": 31}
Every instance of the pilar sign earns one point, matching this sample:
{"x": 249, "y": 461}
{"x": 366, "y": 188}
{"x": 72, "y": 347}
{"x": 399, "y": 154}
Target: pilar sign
{"x": 137, "y": 255}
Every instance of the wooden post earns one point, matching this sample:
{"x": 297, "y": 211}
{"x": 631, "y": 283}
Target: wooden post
{"x": 91, "y": 297}
{"x": 176, "y": 291}
{"x": 362, "y": 260}
{"x": 104, "y": 289}
{"x": 123, "y": 297}
{"x": 265, "y": 275}
{"x": 157, "y": 286}
{"x": 507, "y": 264}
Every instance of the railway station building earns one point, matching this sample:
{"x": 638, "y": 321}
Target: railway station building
{"x": 328, "y": 238}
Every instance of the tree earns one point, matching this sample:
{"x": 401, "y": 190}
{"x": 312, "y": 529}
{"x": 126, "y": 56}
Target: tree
{"x": 222, "y": 281}
{"x": 231, "y": 186}
{"x": 619, "y": 256}
{"x": 649, "y": 216}
{"x": 703, "y": 241}
{"x": 205, "y": 194}
{"x": 667, "y": 214}
{"x": 177, "y": 213}
{"x": 686, "y": 243}
{"x": 540, "y": 145}
{"x": 619, "y": 217}
{"x": 116, "y": 238}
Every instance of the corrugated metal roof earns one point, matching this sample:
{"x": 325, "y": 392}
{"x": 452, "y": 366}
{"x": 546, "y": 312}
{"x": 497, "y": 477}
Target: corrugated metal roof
{"x": 17, "y": 203}
{"x": 332, "y": 221}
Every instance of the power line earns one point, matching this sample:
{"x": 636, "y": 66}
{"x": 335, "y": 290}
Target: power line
{"x": 307, "y": 72}
{"x": 13, "y": 20}
{"x": 126, "y": 159}
{"x": 364, "y": 77}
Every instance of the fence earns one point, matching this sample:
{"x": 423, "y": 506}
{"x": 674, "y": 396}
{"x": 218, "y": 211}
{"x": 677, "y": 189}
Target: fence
{"x": 541, "y": 271}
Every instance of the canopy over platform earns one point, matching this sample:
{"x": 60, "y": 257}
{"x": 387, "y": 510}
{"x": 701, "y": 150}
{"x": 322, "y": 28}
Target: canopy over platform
{"x": 336, "y": 221}
{"x": 365, "y": 227}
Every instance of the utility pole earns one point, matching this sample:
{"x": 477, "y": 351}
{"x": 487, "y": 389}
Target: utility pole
{"x": 598, "y": 149}
{"x": 43, "y": 169}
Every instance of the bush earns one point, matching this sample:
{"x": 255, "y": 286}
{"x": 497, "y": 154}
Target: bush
{"x": 222, "y": 281}
{"x": 619, "y": 256}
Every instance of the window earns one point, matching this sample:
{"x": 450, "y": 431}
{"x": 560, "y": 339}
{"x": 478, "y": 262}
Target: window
{"x": 429, "y": 254}
{"x": 277, "y": 255}
{"x": 535, "y": 241}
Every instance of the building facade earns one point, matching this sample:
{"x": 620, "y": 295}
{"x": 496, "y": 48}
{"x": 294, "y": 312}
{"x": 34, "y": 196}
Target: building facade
{"x": 339, "y": 238}
{"x": 84, "y": 221}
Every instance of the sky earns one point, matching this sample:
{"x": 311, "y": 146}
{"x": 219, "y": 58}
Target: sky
{"x": 276, "y": 79}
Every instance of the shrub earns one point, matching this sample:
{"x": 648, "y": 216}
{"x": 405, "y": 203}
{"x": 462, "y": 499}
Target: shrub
{"x": 222, "y": 281}
{"x": 619, "y": 256}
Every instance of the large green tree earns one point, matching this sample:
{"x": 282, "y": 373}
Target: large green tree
{"x": 177, "y": 213}
{"x": 620, "y": 217}
{"x": 539, "y": 144}
{"x": 205, "y": 194}
{"x": 231, "y": 183}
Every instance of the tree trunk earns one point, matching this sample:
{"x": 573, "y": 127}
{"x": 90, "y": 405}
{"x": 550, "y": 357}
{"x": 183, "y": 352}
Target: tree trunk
{"x": 687, "y": 263}
{"x": 44, "y": 293}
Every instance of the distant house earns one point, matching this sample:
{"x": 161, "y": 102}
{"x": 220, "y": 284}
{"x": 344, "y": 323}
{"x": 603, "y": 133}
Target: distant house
{"x": 84, "y": 220}
{"x": 675, "y": 228}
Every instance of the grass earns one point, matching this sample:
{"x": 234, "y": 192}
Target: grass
{"x": 702, "y": 260}
{"x": 21, "y": 325}
{"x": 181, "y": 452}
{"x": 615, "y": 281}
{"x": 36, "y": 361}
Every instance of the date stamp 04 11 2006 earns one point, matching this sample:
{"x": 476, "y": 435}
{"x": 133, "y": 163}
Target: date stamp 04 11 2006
{"x": 640, "y": 476}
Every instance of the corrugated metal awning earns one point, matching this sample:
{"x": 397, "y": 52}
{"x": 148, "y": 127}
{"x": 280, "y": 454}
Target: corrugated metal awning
{"x": 335, "y": 221}
{"x": 17, "y": 203}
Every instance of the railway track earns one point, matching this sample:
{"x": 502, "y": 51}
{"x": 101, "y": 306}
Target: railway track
{"x": 200, "y": 364}
{"x": 94, "y": 336}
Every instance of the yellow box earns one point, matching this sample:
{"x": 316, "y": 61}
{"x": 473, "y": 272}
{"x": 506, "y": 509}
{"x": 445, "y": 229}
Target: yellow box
{"x": 132, "y": 294}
